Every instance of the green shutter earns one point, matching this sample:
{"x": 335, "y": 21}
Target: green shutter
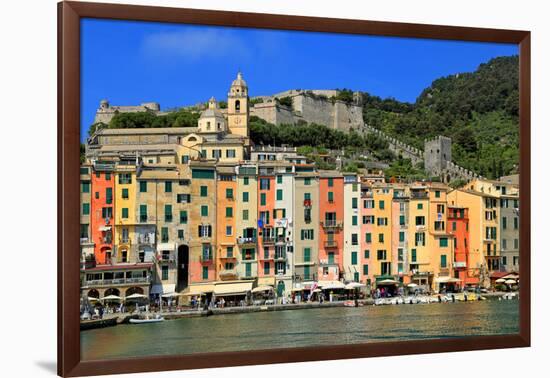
{"x": 168, "y": 213}
{"x": 183, "y": 217}
{"x": 202, "y": 174}
{"x": 229, "y": 212}
{"x": 443, "y": 261}
{"x": 307, "y": 254}
{"x": 330, "y": 196}
{"x": 85, "y": 187}
{"x": 245, "y": 196}
{"x": 204, "y": 191}
{"x": 109, "y": 195}
{"x": 354, "y": 203}
{"x": 168, "y": 186}
{"x": 354, "y": 258}
{"x": 85, "y": 209}
{"x": 279, "y": 194}
{"x": 125, "y": 193}
{"x": 125, "y": 212}
{"x": 443, "y": 242}
{"x": 279, "y": 179}
{"x": 365, "y": 270}
{"x": 381, "y": 205}
{"x": 354, "y": 220}
{"x": 263, "y": 199}
{"x": 143, "y": 186}
{"x": 204, "y": 210}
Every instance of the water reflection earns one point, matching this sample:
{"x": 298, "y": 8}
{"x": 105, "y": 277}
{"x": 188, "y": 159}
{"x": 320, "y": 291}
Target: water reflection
{"x": 298, "y": 328}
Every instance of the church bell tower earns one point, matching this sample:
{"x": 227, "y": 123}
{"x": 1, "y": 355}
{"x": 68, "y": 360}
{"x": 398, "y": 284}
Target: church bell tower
{"x": 237, "y": 107}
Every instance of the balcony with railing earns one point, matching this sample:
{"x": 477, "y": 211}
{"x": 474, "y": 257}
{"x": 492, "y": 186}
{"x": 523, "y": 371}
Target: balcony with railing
{"x": 365, "y": 194}
{"x": 268, "y": 240}
{"x": 206, "y": 258}
{"x": 331, "y": 244}
{"x": 332, "y": 223}
{"x": 280, "y": 256}
{"x": 307, "y": 203}
{"x": 117, "y": 281}
{"x": 305, "y": 277}
{"x": 246, "y": 241}
{"x": 419, "y": 194}
{"x": 228, "y": 274}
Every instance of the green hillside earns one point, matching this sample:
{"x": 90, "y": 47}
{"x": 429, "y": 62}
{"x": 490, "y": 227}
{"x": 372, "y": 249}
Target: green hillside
{"x": 478, "y": 110}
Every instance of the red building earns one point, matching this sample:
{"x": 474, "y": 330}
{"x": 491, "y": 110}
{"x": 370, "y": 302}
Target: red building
{"x": 101, "y": 217}
{"x": 458, "y": 227}
{"x": 331, "y": 232}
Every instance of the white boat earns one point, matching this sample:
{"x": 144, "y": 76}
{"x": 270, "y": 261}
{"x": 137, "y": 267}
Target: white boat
{"x": 157, "y": 319}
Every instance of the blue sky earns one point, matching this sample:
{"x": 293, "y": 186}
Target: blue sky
{"x": 133, "y": 62}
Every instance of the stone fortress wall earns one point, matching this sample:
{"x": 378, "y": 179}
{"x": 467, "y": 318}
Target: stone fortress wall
{"x": 315, "y": 106}
{"x": 311, "y": 106}
{"x": 106, "y": 111}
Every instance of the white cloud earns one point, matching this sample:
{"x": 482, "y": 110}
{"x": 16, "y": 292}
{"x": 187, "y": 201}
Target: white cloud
{"x": 196, "y": 44}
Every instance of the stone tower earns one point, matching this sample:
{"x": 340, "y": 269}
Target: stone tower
{"x": 237, "y": 107}
{"x": 437, "y": 153}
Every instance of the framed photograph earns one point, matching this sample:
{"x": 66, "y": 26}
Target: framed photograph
{"x": 240, "y": 188}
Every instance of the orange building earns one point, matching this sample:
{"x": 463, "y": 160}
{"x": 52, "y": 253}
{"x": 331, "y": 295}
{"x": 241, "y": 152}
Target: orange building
{"x": 266, "y": 234}
{"x": 101, "y": 217}
{"x": 226, "y": 227}
{"x": 331, "y": 235}
{"x": 458, "y": 226}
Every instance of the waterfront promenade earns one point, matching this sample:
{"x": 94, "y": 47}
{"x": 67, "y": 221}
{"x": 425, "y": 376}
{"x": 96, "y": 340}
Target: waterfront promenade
{"x": 122, "y": 318}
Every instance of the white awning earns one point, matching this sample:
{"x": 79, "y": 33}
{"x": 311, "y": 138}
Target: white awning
{"x": 200, "y": 289}
{"x": 166, "y": 247}
{"x": 325, "y": 285}
{"x": 239, "y": 288}
{"x": 104, "y": 228}
{"x": 354, "y": 285}
{"x": 446, "y": 279}
{"x": 163, "y": 289}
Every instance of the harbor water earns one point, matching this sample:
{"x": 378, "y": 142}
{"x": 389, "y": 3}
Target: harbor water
{"x": 300, "y": 328}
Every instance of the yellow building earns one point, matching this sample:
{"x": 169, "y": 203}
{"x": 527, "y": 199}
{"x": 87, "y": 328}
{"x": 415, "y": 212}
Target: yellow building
{"x": 381, "y": 237}
{"x": 420, "y": 255}
{"x": 125, "y": 214}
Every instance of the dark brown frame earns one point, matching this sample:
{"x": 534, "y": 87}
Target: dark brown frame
{"x": 69, "y": 15}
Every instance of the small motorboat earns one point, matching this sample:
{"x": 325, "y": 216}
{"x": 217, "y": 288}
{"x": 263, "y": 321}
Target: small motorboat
{"x": 156, "y": 319}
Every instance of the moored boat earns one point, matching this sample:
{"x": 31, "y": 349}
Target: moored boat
{"x": 157, "y": 319}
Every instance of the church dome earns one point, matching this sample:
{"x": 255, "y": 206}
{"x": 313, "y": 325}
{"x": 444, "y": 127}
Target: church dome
{"x": 239, "y": 81}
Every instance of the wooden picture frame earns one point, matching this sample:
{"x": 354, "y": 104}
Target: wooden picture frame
{"x": 69, "y": 16}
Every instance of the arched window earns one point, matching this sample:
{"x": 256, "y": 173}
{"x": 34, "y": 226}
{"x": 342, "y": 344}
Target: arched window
{"x": 238, "y": 106}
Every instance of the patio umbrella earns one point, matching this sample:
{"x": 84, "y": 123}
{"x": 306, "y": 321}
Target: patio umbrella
{"x": 316, "y": 291}
{"x": 262, "y": 288}
{"x": 387, "y": 282}
{"x": 170, "y": 295}
{"x": 412, "y": 285}
{"x": 510, "y": 282}
{"x": 500, "y": 280}
{"x": 354, "y": 285}
{"x": 135, "y": 296}
{"x": 93, "y": 299}
{"x": 111, "y": 298}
